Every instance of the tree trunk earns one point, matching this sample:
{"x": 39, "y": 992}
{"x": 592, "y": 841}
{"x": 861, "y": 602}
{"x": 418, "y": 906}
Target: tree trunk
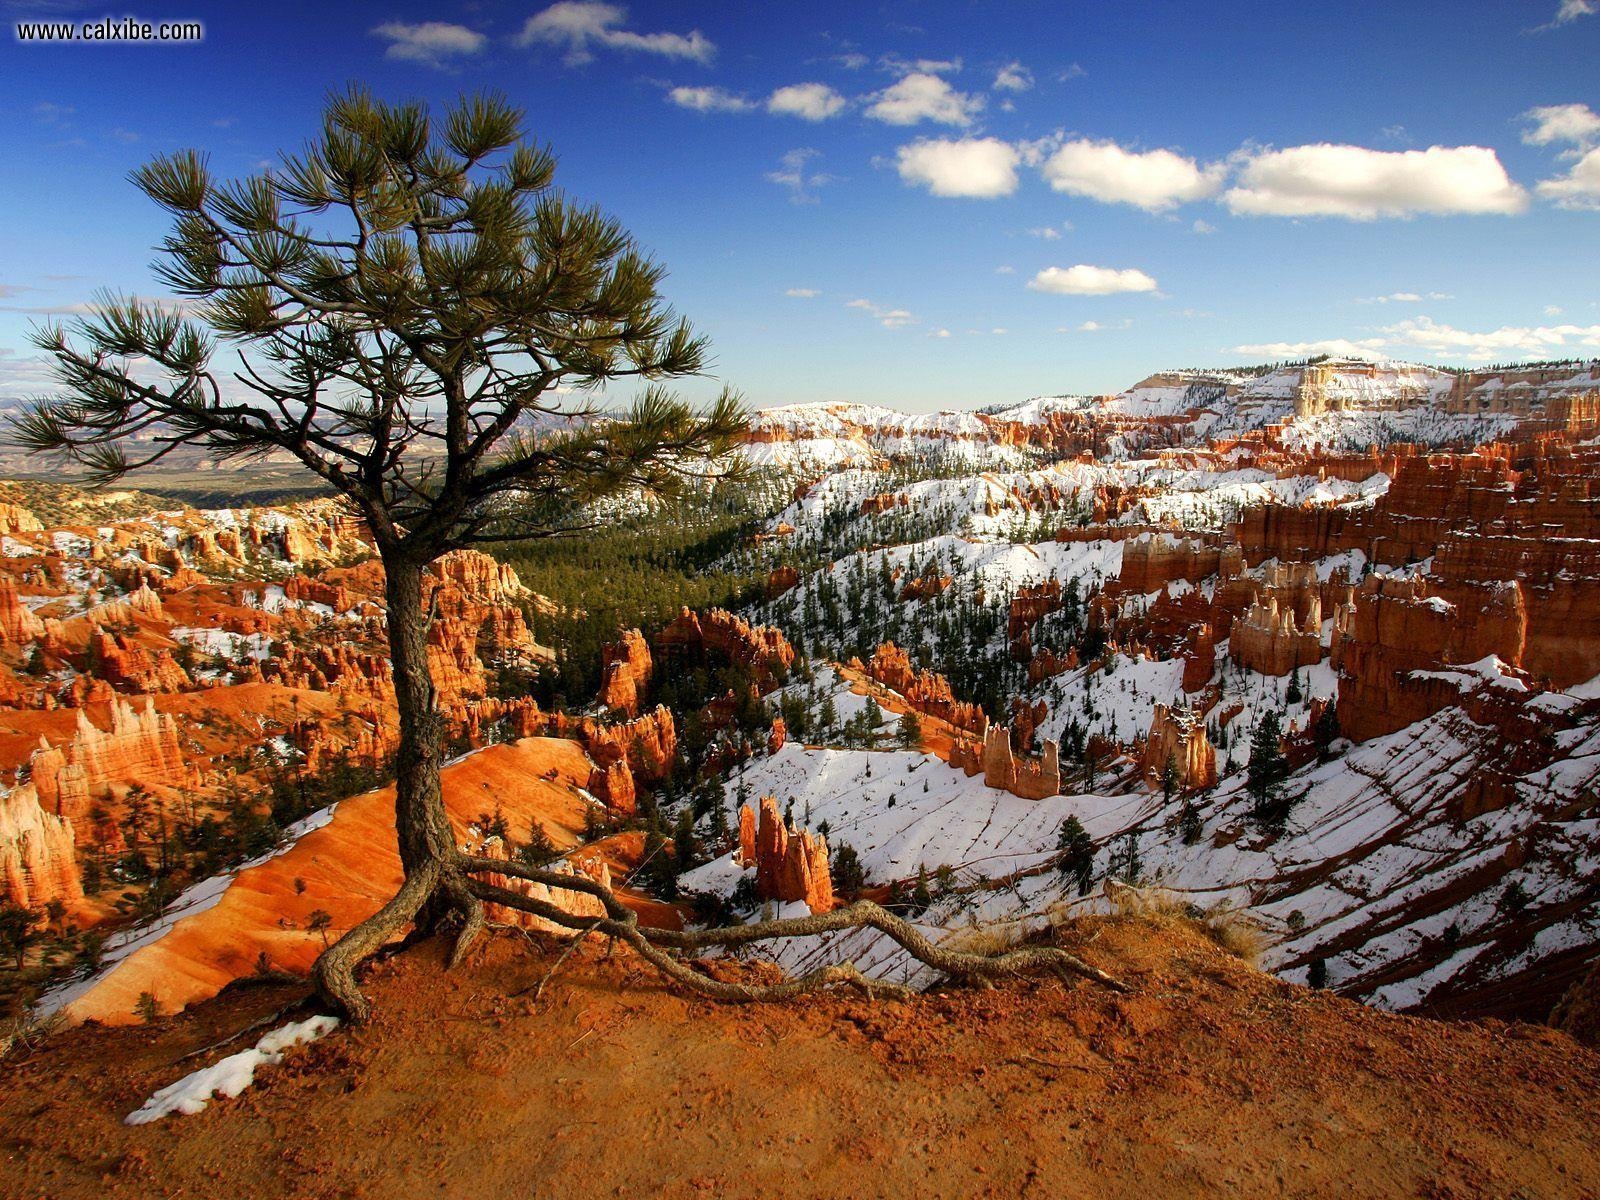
{"x": 421, "y": 825}
{"x": 434, "y": 885}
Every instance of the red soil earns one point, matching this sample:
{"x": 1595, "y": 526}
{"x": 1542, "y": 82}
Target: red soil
{"x": 1212, "y": 1079}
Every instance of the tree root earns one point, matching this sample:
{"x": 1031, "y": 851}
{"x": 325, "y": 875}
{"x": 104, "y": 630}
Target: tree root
{"x": 665, "y": 949}
{"x": 652, "y": 944}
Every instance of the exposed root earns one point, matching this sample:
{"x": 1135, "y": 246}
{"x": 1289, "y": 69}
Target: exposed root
{"x": 334, "y": 971}
{"x": 653, "y": 944}
{"x": 472, "y": 918}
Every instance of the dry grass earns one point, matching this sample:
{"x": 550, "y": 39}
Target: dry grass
{"x": 1234, "y": 929}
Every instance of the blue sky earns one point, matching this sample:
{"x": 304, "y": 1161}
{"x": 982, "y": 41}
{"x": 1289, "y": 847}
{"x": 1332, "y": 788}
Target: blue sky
{"x": 920, "y": 204}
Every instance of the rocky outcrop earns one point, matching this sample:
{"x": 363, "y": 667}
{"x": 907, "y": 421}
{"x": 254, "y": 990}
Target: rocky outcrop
{"x": 19, "y": 625}
{"x": 626, "y": 670}
{"x": 781, "y": 580}
{"x": 761, "y": 650}
{"x": 480, "y": 577}
{"x": 1396, "y": 638}
{"x": 37, "y": 862}
{"x": 1270, "y": 640}
{"x": 16, "y": 519}
{"x": 139, "y": 749}
{"x": 924, "y": 587}
{"x": 791, "y": 864}
{"x": 927, "y": 692}
{"x": 1030, "y": 605}
{"x": 130, "y": 667}
{"x": 1029, "y": 778}
{"x": 1177, "y": 738}
{"x": 1151, "y": 561}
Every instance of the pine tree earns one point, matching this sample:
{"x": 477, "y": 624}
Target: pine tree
{"x": 1075, "y": 850}
{"x": 397, "y": 302}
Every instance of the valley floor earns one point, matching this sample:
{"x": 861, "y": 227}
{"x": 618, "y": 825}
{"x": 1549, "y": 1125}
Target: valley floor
{"x": 1212, "y": 1079}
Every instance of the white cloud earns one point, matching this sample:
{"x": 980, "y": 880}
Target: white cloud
{"x": 1048, "y": 233}
{"x": 1351, "y": 181}
{"x": 809, "y": 101}
{"x": 1099, "y": 326}
{"x": 1576, "y": 123}
{"x": 802, "y": 293}
{"x": 1571, "y": 10}
{"x": 1579, "y": 188}
{"x": 1339, "y": 347}
{"x": 1007, "y": 270}
{"x": 1203, "y": 227}
{"x": 940, "y": 333}
{"x": 709, "y": 99}
{"x": 581, "y": 24}
{"x": 1070, "y": 72}
{"x": 1084, "y": 280}
{"x": 1013, "y": 77}
{"x": 896, "y": 65}
{"x": 1153, "y": 180}
{"x": 793, "y": 174}
{"x": 1404, "y": 298}
{"x": 1509, "y": 340}
{"x": 975, "y": 168}
{"x": 431, "y": 43}
{"x": 1552, "y": 310}
{"x": 921, "y": 96}
{"x": 889, "y": 318}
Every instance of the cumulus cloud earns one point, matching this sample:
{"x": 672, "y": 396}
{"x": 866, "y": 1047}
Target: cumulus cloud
{"x": 1326, "y": 180}
{"x": 1203, "y": 227}
{"x": 1404, "y": 298}
{"x": 1101, "y": 326}
{"x": 1153, "y": 180}
{"x": 1508, "y": 340}
{"x": 1579, "y": 188}
{"x": 921, "y": 96}
{"x": 1339, "y": 347}
{"x": 1576, "y": 123}
{"x": 802, "y": 293}
{"x": 709, "y": 99}
{"x": 794, "y": 174}
{"x": 432, "y": 43}
{"x": 808, "y": 101}
{"x": 889, "y": 318}
{"x": 897, "y": 65}
{"x": 1048, "y": 233}
{"x": 975, "y": 168}
{"x": 1013, "y": 77}
{"x": 1085, "y": 280}
{"x": 580, "y": 25}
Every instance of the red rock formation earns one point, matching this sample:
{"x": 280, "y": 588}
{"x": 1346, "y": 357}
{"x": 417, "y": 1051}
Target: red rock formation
{"x": 130, "y": 667}
{"x": 781, "y": 579}
{"x": 1178, "y": 736}
{"x": 927, "y": 692}
{"x": 18, "y": 623}
{"x": 1029, "y": 605}
{"x": 761, "y": 649}
{"x": 16, "y": 519}
{"x": 790, "y": 864}
{"x": 626, "y": 668}
{"x": 140, "y": 748}
{"x": 883, "y": 503}
{"x": 925, "y": 587}
{"x": 613, "y": 786}
{"x": 1199, "y": 660}
{"x": 37, "y": 863}
{"x": 1046, "y": 664}
{"x": 1150, "y": 562}
{"x": 747, "y": 836}
{"x": 480, "y": 577}
{"x": 1032, "y": 780}
{"x": 1398, "y": 633}
{"x": 779, "y": 735}
{"x": 1269, "y": 640}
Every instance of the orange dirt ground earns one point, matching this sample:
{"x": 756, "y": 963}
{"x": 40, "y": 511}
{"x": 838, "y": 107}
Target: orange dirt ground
{"x": 1213, "y": 1079}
